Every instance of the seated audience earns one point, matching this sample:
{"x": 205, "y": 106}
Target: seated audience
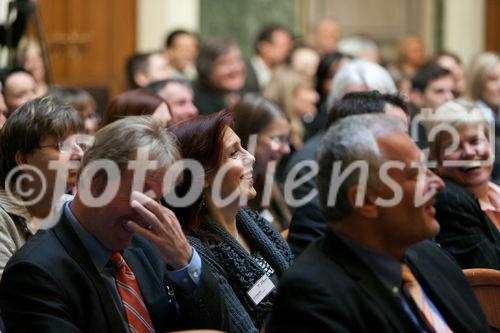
{"x": 307, "y": 222}
{"x": 31, "y": 192}
{"x": 484, "y": 86}
{"x": 29, "y": 57}
{"x": 305, "y": 59}
{"x": 241, "y": 248}
{"x": 221, "y": 74}
{"x": 136, "y": 103}
{"x": 431, "y": 87}
{"x": 325, "y": 36}
{"x": 328, "y": 66}
{"x": 18, "y": 87}
{"x": 452, "y": 62}
{"x": 468, "y": 209}
{"x": 82, "y": 101}
{"x": 375, "y": 270}
{"x": 411, "y": 57}
{"x": 257, "y": 116}
{"x": 181, "y": 50}
{"x": 356, "y": 76}
{"x": 360, "y": 47}
{"x": 360, "y": 75}
{"x": 119, "y": 264}
{"x": 484, "y": 89}
{"x": 294, "y": 92}
{"x": 144, "y": 68}
{"x": 179, "y": 97}
{"x": 272, "y": 48}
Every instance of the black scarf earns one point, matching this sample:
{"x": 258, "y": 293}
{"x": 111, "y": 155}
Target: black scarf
{"x": 240, "y": 268}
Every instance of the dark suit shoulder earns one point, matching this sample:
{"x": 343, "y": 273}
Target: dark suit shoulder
{"x": 308, "y": 152}
{"x": 454, "y": 193}
{"x": 317, "y": 295}
{"x": 444, "y": 282}
{"x": 466, "y": 232}
{"x": 43, "y": 250}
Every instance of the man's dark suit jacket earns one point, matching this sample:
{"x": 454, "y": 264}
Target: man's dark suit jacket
{"x": 52, "y": 285}
{"x": 251, "y": 82}
{"x": 329, "y": 289}
{"x": 307, "y": 222}
{"x": 466, "y": 231}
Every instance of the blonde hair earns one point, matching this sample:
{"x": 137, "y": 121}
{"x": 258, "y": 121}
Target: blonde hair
{"x": 22, "y": 49}
{"x": 483, "y": 64}
{"x": 281, "y": 89}
{"x": 455, "y": 113}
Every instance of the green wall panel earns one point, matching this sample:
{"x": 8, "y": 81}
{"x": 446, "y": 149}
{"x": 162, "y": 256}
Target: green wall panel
{"x": 242, "y": 19}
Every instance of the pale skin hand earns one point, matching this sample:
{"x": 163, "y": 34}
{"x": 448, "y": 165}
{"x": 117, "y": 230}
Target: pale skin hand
{"x": 165, "y": 232}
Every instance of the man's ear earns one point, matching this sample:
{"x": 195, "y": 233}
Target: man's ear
{"x": 367, "y": 208}
{"x": 20, "y": 157}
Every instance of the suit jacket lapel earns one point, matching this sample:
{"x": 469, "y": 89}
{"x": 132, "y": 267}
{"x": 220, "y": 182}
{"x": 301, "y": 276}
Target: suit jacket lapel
{"x": 338, "y": 251}
{"x": 137, "y": 261}
{"x": 67, "y": 236}
{"x": 436, "y": 286}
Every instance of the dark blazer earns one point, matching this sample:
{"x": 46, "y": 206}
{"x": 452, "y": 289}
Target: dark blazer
{"x": 52, "y": 285}
{"x": 207, "y": 100}
{"x": 251, "y": 83}
{"x": 307, "y": 222}
{"x": 466, "y": 231}
{"x": 329, "y": 289}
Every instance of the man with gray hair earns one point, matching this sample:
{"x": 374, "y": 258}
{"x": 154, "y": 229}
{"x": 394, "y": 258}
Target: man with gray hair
{"x": 375, "y": 269}
{"x": 307, "y": 222}
{"x": 118, "y": 260}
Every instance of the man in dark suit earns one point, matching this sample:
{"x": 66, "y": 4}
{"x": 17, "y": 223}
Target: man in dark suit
{"x": 117, "y": 261}
{"x": 374, "y": 270}
{"x": 307, "y": 222}
{"x": 272, "y": 47}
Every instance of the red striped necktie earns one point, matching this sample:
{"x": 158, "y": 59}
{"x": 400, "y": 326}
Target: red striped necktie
{"x": 432, "y": 319}
{"x": 135, "y": 309}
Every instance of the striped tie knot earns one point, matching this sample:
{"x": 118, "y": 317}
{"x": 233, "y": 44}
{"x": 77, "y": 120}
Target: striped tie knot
{"x": 408, "y": 277}
{"x": 116, "y": 261}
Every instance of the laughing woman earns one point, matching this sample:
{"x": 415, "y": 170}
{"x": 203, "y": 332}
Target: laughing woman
{"x": 468, "y": 210}
{"x": 242, "y": 249}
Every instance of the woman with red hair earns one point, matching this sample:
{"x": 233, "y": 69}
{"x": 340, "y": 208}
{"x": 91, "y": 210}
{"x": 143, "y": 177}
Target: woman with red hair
{"x": 240, "y": 248}
{"x": 136, "y": 103}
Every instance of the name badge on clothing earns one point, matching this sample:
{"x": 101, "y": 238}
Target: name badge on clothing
{"x": 261, "y": 289}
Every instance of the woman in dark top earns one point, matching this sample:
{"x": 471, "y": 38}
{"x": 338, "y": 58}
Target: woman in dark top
{"x": 240, "y": 248}
{"x": 468, "y": 209}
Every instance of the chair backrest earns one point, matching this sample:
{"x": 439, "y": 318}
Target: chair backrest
{"x": 486, "y": 285}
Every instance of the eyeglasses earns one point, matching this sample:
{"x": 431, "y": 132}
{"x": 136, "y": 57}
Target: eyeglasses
{"x": 82, "y": 142}
{"x": 279, "y": 139}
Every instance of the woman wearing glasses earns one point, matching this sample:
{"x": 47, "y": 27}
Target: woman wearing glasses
{"x": 260, "y": 123}
{"x": 32, "y": 192}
